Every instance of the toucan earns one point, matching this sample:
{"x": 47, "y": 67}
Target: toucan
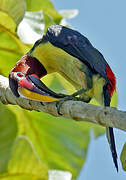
{"x": 72, "y": 55}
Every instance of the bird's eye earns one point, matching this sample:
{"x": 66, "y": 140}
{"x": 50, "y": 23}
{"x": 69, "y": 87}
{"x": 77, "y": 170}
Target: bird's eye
{"x": 19, "y": 75}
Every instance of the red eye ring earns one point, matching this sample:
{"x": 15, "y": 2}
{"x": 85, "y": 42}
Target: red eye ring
{"x": 19, "y": 74}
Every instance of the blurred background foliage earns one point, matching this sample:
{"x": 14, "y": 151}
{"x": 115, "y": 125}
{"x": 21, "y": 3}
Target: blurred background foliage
{"x": 32, "y": 143}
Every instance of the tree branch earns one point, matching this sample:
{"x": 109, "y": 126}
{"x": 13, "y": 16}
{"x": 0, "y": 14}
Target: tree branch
{"x": 76, "y": 110}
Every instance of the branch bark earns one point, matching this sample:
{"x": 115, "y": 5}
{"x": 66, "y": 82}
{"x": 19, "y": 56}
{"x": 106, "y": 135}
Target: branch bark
{"x": 76, "y": 110}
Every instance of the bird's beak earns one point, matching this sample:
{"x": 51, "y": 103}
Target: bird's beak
{"x": 27, "y": 65}
{"x": 40, "y": 88}
{"x": 37, "y": 91}
{"x": 13, "y": 85}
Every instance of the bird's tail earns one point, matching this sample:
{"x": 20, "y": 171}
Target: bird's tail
{"x": 111, "y": 140}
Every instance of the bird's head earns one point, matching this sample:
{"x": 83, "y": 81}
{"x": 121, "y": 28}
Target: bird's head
{"x": 24, "y": 82}
{"x": 27, "y": 65}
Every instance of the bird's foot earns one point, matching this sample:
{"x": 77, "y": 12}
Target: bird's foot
{"x": 42, "y": 104}
{"x": 71, "y": 97}
{"x": 67, "y": 98}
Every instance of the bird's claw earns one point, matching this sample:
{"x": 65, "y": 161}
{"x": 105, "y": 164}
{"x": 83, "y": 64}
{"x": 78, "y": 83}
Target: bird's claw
{"x": 42, "y": 104}
{"x": 59, "y": 103}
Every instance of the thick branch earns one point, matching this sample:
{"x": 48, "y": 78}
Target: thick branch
{"x": 76, "y": 110}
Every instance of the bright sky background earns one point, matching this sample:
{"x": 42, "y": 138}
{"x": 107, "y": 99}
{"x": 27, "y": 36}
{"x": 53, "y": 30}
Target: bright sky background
{"x": 104, "y": 23}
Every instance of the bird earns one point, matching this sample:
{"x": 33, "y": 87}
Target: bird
{"x": 71, "y": 54}
{"x": 27, "y": 89}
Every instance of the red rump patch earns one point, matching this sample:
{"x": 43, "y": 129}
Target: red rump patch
{"x": 112, "y": 80}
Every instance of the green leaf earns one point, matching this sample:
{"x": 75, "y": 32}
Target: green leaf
{"x": 123, "y": 157}
{"x": 11, "y": 49}
{"x": 14, "y": 9}
{"x": 98, "y": 130}
{"x": 7, "y": 21}
{"x": 8, "y": 131}
{"x": 54, "y": 82}
{"x": 48, "y": 21}
{"x": 25, "y": 162}
{"x": 60, "y": 143}
{"x": 20, "y": 177}
{"x": 46, "y": 6}
{"x": 114, "y": 100}
{"x": 58, "y": 83}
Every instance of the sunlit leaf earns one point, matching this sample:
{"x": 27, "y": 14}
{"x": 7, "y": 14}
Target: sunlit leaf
{"x": 25, "y": 162}
{"x": 32, "y": 27}
{"x": 114, "y": 100}
{"x": 60, "y": 143}
{"x": 58, "y": 83}
{"x": 98, "y": 130}
{"x": 69, "y": 13}
{"x": 8, "y": 131}
{"x": 14, "y": 9}
{"x": 11, "y": 49}
{"x": 48, "y": 21}
{"x": 123, "y": 157}
{"x": 59, "y": 175}
{"x": 46, "y": 6}
{"x": 7, "y": 21}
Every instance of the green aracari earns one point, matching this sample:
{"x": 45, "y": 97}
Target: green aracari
{"x": 70, "y": 54}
